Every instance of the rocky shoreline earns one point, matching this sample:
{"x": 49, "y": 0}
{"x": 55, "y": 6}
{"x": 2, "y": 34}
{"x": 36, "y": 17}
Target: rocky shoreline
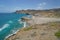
{"x": 37, "y": 31}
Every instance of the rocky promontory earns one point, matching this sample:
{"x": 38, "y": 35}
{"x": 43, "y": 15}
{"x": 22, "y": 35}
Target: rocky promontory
{"x": 46, "y": 13}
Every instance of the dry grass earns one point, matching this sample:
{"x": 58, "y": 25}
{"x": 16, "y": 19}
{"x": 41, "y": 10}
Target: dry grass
{"x": 39, "y": 32}
{"x": 27, "y": 29}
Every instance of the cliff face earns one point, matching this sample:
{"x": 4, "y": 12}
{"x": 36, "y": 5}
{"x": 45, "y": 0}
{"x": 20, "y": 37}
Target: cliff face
{"x": 45, "y": 13}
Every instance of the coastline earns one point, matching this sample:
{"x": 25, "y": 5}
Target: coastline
{"x": 10, "y": 35}
{"x": 38, "y": 19}
{"x": 35, "y": 32}
{"x": 37, "y": 23}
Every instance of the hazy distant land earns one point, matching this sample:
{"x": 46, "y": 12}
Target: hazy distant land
{"x": 46, "y": 13}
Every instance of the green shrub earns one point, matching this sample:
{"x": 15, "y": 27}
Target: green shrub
{"x": 57, "y": 34}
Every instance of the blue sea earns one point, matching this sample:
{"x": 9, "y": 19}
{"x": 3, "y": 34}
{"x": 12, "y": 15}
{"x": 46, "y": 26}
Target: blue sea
{"x": 9, "y": 24}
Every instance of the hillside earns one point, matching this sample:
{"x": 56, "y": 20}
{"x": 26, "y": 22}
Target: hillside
{"x": 46, "y": 13}
{"x": 38, "y": 32}
{"x": 39, "y": 29}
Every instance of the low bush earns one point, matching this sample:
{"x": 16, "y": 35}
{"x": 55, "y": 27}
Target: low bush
{"x": 57, "y": 34}
{"x": 26, "y": 29}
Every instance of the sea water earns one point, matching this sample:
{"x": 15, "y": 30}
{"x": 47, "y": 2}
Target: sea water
{"x": 9, "y": 24}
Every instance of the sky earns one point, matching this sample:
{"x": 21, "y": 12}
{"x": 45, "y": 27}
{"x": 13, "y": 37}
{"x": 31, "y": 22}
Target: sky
{"x": 13, "y": 5}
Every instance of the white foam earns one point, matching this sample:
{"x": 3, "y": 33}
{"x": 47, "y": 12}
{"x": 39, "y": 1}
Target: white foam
{"x": 20, "y": 21}
{"x": 24, "y": 24}
{"x": 4, "y": 26}
{"x": 8, "y": 36}
{"x": 11, "y": 34}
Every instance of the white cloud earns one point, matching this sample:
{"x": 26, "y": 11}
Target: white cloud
{"x": 41, "y": 5}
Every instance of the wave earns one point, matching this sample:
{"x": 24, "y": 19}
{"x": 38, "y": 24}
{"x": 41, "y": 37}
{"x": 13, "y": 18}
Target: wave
{"x": 4, "y": 26}
{"x": 14, "y": 32}
{"x": 10, "y": 21}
